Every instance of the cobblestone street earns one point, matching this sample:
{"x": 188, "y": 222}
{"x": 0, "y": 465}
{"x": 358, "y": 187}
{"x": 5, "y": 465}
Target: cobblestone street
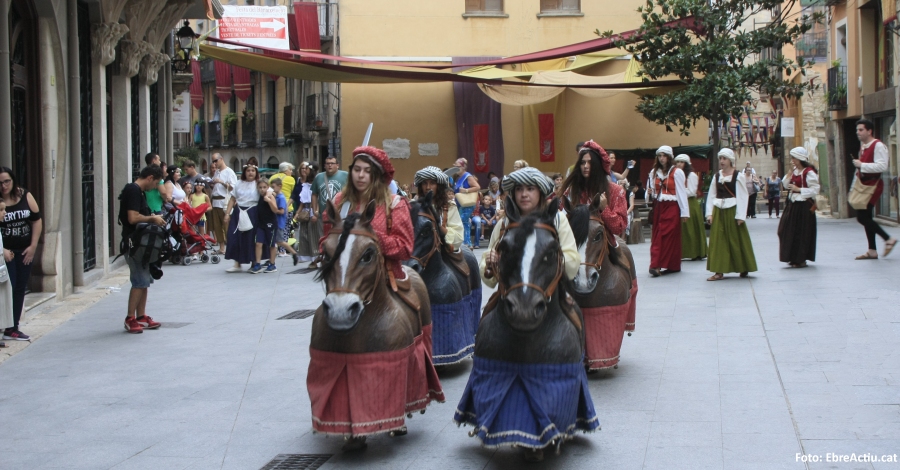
{"x": 731, "y": 374}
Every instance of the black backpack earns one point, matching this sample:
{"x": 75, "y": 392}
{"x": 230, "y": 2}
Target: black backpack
{"x": 148, "y": 244}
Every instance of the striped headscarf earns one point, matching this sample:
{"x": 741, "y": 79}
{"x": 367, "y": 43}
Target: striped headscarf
{"x": 431, "y": 173}
{"x": 528, "y": 176}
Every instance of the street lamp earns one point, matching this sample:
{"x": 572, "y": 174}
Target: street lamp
{"x": 185, "y": 38}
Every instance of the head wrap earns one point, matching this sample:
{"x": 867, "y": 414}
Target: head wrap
{"x": 495, "y": 179}
{"x": 377, "y": 157}
{"x": 666, "y": 150}
{"x": 591, "y": 146}
{"x": 528, "y": 176}
{"x": 431, "y": 173}
{"x": 727, "y": 153}
{"x": 682, "y": 157}
{"x": 800, "y": 153}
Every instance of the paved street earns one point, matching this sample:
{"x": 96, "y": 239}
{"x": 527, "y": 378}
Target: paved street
{"x": 732, "y": 374}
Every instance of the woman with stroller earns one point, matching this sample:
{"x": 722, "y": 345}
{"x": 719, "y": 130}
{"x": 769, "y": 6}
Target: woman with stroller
{"x": 308, "y": 228}
{"x": 173, "y": 174}
{"x": 241, "y": 247}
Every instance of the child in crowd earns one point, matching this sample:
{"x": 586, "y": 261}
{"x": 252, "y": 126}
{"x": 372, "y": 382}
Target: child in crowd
{"x": 486, "y": 218}
{"x": 198, "y": 196}
{"x": 267, "y": 211}
{"x": 282, "y": 217}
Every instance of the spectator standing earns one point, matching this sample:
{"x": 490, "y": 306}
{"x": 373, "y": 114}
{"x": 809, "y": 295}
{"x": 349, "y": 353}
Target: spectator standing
{"x": 517, "y": 165}
{"x": 872, "y": 162}
{"x": 173, "y": 188}
{"x": 324, "y": 188}
{"x": 223, "y": 183}
{"x": 157, "y": 196}
{"x": 133, "y": 210}
{"x": 286, "y": 175}
{"x": 619, "y": 178}
{"x": 198, "y": 197}
{"x": 266, "y": 227}
{"x": 309, "y": 230}
{"x": 242, "y": 205}
{"x": 6, "y": 288}
{"x": 190, "y": 168}
{"x": 730, "y": 248}
{"x": 797, "y": 230}
{"x": 752, "y": 189}
{"x": 281, "y": 217}
{"x": 773, "y": 194}
{"x": 466, "y": 183}
{"x": 21, "y": 227}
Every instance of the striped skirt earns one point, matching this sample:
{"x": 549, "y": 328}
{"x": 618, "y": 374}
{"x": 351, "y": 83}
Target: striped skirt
{"x": 455, "y": 326}
{"x": 526, "y": 405}
{"x": 604, "y": 329}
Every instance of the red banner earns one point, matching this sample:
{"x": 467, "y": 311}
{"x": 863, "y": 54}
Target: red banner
{"x": 241, "y": 82}
{"x": 546, "y": 134}
{"x": 480, "y": 133}
{"x": 223, "y": 81}
{"x": 307, "y": 24}
{"x": 196, "y": 86}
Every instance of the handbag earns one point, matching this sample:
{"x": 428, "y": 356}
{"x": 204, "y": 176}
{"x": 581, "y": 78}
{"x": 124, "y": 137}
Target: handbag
{"x": 244, "y": 222}
{"x": 860, "y": 194}
{"x": 467, "y": 199}
{"x": 303, "y": 215}
{"x": 4, "y": 273}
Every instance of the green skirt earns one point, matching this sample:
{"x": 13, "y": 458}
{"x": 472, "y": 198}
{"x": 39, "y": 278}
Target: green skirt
{"x": 730, "y": 249}
{"x": 693, "y": 233}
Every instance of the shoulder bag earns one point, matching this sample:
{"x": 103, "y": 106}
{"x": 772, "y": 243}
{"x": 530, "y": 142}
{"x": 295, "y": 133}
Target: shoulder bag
{"x": 465, "y": 199}
{"x": 860, "y": 194}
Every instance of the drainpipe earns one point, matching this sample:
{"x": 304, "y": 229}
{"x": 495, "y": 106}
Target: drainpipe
{"x": 75, "y": 146}
{"x": 5, "y": 100}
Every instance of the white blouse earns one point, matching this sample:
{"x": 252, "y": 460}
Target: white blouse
{"x": 245, "y": 194}
{"x": 680, "y": 196}
{"x": 692, "y": 182}
{"x": 178, "y": 194}
{"x": 740, "y": 201}
{"x": 810, "y": 192}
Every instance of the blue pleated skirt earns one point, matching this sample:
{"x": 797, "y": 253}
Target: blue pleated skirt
{"x": 529, "y": 405}
{"x": 454, "y": 327}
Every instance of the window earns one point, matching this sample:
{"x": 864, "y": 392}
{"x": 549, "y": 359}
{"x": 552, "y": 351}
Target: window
{"x": 560, "y": 6}
{"x": 484, "y": 6}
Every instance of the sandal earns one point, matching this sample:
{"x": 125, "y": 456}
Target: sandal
{"x": 801, "y": 265}
{"x": 866, "y": 255}
{"x": 716, "y": 277}
{"x": 888, "y": 247}
{"x": 745, "y": 274}
{"x": 654, "y": 272}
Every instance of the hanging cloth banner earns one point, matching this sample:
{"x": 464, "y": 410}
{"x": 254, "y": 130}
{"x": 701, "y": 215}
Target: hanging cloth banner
{"x": 481, "y": 143}
{"x": 196, "y": 86}
{"x": 547, "y": 138}
{"x": 223, "y": 80}
{"x": 307, "y": 28}
{"x": 241, "y": 82}
{"x": 888, "y": 11}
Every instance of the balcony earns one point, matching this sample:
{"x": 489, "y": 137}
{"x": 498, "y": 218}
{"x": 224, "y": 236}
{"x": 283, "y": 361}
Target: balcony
{"x": 269, "y": 136}
{"x": 229, "y": 137}
{"x": 837, "y": 88}
{"x": 315, "y": 112}
{"x": 812, "y": 46}
{"x": 248, "y": 131}
{"x": 214, "y": 138}
{"x": 292, "y": 130}
{"x": 328, "y": 19}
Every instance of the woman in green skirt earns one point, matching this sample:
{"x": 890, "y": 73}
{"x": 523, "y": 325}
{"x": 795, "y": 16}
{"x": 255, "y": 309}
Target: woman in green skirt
{"x": 730, "y": 249}
{"x": 693, "y": 232}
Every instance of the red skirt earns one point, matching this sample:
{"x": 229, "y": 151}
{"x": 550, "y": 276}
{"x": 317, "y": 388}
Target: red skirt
{"x": 370, "y": 393}
{"x": 665, "y": 236}
{"x": 604, "y": 328}
{"x": 632, "y": 307}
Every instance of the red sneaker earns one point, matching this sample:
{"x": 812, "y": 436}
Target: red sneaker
{"x": 132, "y": 325}
{"x": 147, "y": 323}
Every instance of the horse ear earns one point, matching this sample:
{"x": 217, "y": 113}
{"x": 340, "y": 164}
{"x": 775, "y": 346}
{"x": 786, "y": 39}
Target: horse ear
{"x": 567, "y": 205}
{"x": 333, "y": 215}
{"x": 429, "y": 198}
{"x": 369, "y": 214}
{"x": 552, "y": 210}
{"x": 595, "y": 203}
{"x": 512, "y": 210}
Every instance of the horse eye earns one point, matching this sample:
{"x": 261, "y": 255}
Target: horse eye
{"x": 367, "y": 257}
{"x": 598, "y": 236}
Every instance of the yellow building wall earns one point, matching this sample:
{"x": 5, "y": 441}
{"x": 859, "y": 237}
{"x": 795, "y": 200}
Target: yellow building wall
{"x": 425, "y": 113}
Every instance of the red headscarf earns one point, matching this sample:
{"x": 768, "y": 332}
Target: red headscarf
{"x": 377, "y": 157}
{"x": 595, "y": 147}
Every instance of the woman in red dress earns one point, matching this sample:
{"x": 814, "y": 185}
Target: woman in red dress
{"x": 590, "y": 180}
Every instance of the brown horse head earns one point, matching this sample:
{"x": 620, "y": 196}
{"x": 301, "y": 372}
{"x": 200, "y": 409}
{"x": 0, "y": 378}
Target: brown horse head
{"x": 593, "y": 242}
{"x": 531, "y": 266}
{"x": 353, "y": 268}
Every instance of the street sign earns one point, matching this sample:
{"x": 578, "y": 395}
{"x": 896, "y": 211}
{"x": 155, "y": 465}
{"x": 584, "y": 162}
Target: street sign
{"x": 255, "y": 25}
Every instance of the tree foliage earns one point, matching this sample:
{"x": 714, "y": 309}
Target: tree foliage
{"x": 720, "y": 58}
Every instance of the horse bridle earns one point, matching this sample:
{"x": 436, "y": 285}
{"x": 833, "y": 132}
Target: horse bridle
{"x": 379, "y": 277}
{"x": 436, "y": 244}
{"x": 560, "y": 268}
{"x": 604, "y": 251}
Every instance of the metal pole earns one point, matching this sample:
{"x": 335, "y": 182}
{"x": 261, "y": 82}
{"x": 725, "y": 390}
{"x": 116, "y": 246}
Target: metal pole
{"x": 5, "y": 100}
{"x": 75, "y": 146}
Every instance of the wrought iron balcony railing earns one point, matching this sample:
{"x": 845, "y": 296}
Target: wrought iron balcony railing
{"x": 837, "y": 88}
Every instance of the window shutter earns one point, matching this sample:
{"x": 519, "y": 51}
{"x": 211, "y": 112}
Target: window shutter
{"x": 493, "y": 5}
{"x": 474, "y": 5}
{"x": 571, "y": 5}
{"x": 549, "y": 5}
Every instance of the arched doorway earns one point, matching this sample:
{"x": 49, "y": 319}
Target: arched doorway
{"x": 25, "y": 98}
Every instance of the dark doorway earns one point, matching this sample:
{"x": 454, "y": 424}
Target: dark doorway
{"x": 89, "y": 232}
{"x": 25, "y": 95}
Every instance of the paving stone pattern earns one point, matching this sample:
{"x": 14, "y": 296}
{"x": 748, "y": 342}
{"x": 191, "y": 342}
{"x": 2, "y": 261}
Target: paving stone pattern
{"x": 731, "y": 374}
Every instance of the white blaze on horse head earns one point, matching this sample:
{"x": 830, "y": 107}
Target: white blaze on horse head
{"x": 528, "y": 258}
{"x": 344, "y": 263}
{"x": 582, "y": 255}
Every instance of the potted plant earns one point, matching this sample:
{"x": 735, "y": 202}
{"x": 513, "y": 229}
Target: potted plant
{"x": 230, "y": 123}
{"x": 249, "y": 115}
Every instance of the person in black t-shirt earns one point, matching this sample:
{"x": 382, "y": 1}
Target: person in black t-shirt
{"x": 132, "y": 211}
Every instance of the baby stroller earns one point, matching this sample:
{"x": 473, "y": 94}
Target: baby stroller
{"x": 190, "y": 241}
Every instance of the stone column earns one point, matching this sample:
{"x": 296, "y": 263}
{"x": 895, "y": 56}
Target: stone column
{"x": 101, "y": 165}
{"x": 121, "y": 115}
